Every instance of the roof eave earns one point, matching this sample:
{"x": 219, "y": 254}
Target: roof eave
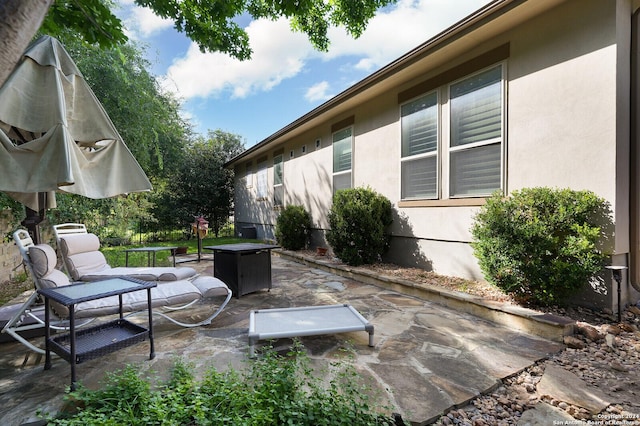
{"x": 478, "y": 18}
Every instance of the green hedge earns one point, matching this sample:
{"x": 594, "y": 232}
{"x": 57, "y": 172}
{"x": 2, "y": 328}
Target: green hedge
{"x": 293, "y": 228}
{"x": 359, "y": 219}
{"x": 542, "y": 244}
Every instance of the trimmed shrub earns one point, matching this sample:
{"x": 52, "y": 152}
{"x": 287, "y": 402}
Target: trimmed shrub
{"x": 293, "y": 228}
{"x": 359, "y": 218}
{"x": 541, "y": 244}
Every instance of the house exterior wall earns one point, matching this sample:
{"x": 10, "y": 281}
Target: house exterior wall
{"x": 566, "y": 125}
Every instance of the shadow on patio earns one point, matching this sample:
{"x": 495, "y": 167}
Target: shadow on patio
{"x": 427, "y": 357}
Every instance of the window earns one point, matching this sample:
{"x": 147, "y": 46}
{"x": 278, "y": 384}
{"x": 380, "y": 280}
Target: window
{"x": 476, "y": 134}
{"x": 278, "y": 187}
{"x": 248, "y": 175}
{"x": 419, "y": 168}
{"x": 466, "y": 161}
{"x": 342, "y": 159}
{"x": 261, "y": 179}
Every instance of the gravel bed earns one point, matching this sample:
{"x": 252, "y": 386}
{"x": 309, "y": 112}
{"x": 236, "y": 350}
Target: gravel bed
{"x": 603, "y": 353}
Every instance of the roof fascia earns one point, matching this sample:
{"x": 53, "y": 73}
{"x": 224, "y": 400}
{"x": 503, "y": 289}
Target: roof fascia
{"x": 472, "y": 22}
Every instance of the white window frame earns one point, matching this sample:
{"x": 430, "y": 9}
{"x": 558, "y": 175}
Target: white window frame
{"x": 248, "y": 175}
{"x": 342, "y": 172}
{"x": 262, "y": 187}
{"x": 424, "y": 155}
{"x": 498, "y": 140}
{"x": 278, "y": 160}
{"x": 444, "y": 151}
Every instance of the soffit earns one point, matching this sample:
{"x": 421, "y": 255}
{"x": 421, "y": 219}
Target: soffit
{"x": 444, "y": 50}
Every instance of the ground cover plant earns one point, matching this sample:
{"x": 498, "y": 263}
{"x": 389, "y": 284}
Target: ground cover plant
{"x": 274, "y": 390}
{"x": 542, "y": 244}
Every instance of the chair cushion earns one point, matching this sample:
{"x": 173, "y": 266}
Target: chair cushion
{"x": 210, "y": 286}
{"x": 43, "y": 259}
{"x": 155, "y": 273}
{"x": 81, "y": 254}
{"x": 169, "y": 293}
{"x": 43, "y": 263}
{"x": 85, "y": 262}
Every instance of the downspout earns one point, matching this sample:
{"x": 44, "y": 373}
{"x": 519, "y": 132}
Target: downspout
{"x": 634, "y": 169}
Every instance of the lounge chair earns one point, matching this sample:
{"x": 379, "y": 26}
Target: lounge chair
{"x": 41, "y": 260}
{"x": 83, "y": 260}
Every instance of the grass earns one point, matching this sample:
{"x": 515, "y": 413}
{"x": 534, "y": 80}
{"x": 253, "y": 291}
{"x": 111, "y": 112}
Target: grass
{"x": 116, "y": 255}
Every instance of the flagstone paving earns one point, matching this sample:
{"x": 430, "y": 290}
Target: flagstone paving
{"x": 427, "y": 358}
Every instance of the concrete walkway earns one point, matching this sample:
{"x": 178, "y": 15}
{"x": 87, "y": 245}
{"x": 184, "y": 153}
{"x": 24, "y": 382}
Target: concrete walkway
{"x": 427, "y": 358}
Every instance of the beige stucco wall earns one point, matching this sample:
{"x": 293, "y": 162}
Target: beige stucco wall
{"x": 567, "y": 126}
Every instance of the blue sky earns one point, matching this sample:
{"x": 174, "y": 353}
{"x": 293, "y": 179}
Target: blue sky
{"x": 286, "y": 77}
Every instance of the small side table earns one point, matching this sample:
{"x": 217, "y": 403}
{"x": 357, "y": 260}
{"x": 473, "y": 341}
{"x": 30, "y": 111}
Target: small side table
{"x": 244, "y": 267}
{"x": 92, "y": 342}
{"x": 149, "y": 251}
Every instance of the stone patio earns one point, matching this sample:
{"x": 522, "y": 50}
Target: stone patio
{"x": 427, "y": 359}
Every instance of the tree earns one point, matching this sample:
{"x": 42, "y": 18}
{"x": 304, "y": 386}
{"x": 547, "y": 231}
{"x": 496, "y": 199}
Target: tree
{"x": 201, "y": 185}
{"x": 147, "y": 118}
{"x": 211, "y": 24}
{"x": 149, "y": 122}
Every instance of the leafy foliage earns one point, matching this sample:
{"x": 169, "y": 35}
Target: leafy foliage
{"x": 359, "y": 218}
{"x": 542, "y": 244}
{"x": 213, "y": 25}
{"x": 293, "y": 227}
{"x": 147, "y": 118}
{"x": 276, "y": 390}
{"x": 201, "y": 185}
{"x": 91, "y": 18}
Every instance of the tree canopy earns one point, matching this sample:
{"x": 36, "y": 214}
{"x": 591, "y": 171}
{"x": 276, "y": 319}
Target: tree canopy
{"x": 201, "y": 185}
{"x": 213, "y": 25}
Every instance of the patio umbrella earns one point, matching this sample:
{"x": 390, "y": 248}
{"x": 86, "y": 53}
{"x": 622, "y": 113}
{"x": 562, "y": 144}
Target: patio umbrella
{"x": 56, "y": 136}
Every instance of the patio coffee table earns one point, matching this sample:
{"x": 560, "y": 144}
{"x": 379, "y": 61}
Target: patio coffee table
{"x": 305, "y": 321}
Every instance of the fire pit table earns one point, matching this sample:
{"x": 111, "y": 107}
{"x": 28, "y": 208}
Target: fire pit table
{"x": 244, "y": 267}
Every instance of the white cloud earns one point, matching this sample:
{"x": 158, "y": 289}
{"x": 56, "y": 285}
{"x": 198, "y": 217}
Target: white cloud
{"x": 146, "y": 23}
{"x": 140, "y": 22}
{"x": 279, "y": 53}
{"x": 393, "y": 33}
{"x": 318, "y": 92}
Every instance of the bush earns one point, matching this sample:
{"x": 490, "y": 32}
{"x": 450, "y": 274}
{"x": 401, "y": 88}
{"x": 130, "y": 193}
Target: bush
{"x": 359, "y": 218}
{"x": 293, "y": 228}
{"x": 276, "y": 390}
{"x": 541, "y": 244}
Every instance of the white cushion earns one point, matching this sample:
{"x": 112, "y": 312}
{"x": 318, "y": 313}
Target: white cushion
{"x": 157, "y": 273}
{"x": 43, "y": 259}
{"x": 81, "y": 254}
{"x": 168, "y": 293}
{"x": 210, "y": 286}
{"x": 85, "y": 262}
{"x": 43, "y": 263}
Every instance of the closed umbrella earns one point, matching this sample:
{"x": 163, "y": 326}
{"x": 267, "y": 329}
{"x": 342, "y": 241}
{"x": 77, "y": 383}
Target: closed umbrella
{"x": 56, "y": 136}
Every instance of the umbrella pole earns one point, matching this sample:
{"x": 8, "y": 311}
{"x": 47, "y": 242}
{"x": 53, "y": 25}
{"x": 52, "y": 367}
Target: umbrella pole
{"x": 33, "y": 218}
{"x": 31, "y": 222}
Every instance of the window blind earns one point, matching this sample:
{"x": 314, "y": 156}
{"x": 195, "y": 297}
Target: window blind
{"x": 475, "y": 171}
{"x": 420, "y": 178}
{"x": 476, "y": 108}
{"x": 419, "y": 123}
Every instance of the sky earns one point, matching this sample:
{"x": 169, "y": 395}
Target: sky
{"x": 286, "y": 77}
